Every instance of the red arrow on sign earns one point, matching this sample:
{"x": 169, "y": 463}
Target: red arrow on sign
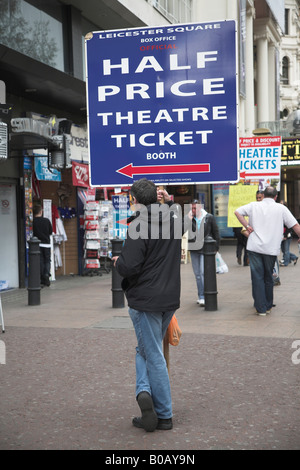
{"x": 122, "y": 221}
{"x": 130, "y": 170}
{"x": 243, "y": 174}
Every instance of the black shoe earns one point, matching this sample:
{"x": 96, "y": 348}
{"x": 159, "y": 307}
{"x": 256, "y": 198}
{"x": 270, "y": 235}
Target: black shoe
{"x": 137, "y": 422}
{"x": 295, "y": 261}
{"x": 162, "y": 424}
{"x": 149, "y": 417}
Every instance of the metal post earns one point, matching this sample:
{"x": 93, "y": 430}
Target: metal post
{"x": 117, "y": 291}
{"x": 34, "y": 278}
{"x": 166, "y": 344}
{"x": 1, "y": 317}
{"x": 210, "y": 276}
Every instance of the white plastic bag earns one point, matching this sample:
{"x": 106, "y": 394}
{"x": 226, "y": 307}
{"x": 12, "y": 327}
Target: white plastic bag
{"x": 221, "y": 266}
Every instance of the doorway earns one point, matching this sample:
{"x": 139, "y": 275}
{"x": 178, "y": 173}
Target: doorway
{"x": 9, "y": 264}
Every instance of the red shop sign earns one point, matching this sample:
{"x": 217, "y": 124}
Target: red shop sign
{"x": 80, "y": 174}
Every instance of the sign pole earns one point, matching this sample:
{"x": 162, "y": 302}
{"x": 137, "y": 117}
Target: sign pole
{"x": 166, "y": 338}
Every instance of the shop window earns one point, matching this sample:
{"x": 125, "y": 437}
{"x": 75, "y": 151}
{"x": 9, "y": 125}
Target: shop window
{"x": 31, "y": 31}
{"x": 176, "y": 11}
{"x": 285, "y": 71}
{"x": 284, "y": 114}
{"x": 286, "y": 21}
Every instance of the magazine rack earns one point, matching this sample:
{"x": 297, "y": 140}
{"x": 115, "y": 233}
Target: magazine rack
{"x": 98, "y": 224}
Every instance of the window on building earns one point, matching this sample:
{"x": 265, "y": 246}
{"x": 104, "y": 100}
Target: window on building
{"x": 285, "y": 71}
{"x": 31, "y": 31}
{"x": 286, "y": 20}
{"x": 176, "y": 11}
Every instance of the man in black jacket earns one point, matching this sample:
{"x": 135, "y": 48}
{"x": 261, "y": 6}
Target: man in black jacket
{"x": 42, "y": 229}
{"x": 150, "y": 266}
{"x": 200, "y": 224}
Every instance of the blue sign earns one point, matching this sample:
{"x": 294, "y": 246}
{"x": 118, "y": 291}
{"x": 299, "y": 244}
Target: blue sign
{"x": 121, "y": 202}
{"x": 43, "y": 173}
{"x": 162, "y": 104}
{"x": 121, "y": 214}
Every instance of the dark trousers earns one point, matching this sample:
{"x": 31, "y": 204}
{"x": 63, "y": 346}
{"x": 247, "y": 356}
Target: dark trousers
{"x": 241, "y": 245}
{"x": 261, "y": 267}
{"x": 45, "y": 262}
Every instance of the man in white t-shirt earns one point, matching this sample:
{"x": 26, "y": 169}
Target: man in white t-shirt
{"x": 265, "y": 226}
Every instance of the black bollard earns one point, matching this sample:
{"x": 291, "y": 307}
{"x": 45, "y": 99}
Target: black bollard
{"x": 117, "y": 291}
{"x": 34, "y": 278}
{"x": 210, "y": 276}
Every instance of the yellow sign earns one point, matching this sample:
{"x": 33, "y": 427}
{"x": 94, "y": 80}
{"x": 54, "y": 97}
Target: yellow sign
{"x": 290, "y": 154}
{"x": 239, "y": 195}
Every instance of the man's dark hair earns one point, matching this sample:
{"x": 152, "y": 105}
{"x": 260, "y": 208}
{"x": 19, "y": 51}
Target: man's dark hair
{"x": 270, "y": 192}
{"x": 36, "y": 209}
{"x": 260, "y": 192}
{"x": 144, "y": 191}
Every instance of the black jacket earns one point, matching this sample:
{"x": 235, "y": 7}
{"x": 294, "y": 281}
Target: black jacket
{"x": 42, "y": 229}
{"x": 151, "y": 266}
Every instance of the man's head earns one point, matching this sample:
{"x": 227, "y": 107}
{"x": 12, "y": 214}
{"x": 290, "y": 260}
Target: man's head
{"x": 196, "y": 208}
{"x": 259, "y": 195}
{"x": 37, "y": 210}
{"x": 144, "y": 191}
{"x": 270, "y": 192}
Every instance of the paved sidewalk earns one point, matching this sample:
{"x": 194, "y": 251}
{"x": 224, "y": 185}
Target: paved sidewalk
{"x": 68, "y": 381}
{"x": 86, "y": 302}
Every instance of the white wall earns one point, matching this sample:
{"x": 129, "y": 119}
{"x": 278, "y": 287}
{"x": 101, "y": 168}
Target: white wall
{"x": 215, "y": 10}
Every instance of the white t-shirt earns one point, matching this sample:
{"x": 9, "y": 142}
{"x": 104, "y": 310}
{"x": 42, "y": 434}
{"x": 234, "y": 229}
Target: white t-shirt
{"x": 267, "y": 218}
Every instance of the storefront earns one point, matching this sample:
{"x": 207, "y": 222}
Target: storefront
{"x": 290, "y": 174}
{"x": 27, "y": 179}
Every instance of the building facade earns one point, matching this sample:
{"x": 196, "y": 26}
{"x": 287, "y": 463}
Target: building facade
{"x": 42, "y": 77}
{"x": 290, "y": 104}
{"x": 290, "y": 60}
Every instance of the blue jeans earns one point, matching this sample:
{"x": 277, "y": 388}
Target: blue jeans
{"x": 198, "y": 268}
{"x": 261, "y": 267}
{"x": 151, "y": 368}
{"x": 276, "y": 278}
{"x": 287, "y": 255}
